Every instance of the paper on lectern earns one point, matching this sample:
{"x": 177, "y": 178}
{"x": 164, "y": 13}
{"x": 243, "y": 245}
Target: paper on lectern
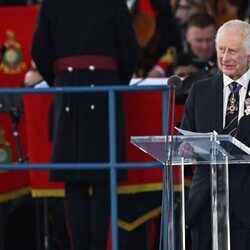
{"x": 199, "y": 146}
{"x": 187, "y": 132}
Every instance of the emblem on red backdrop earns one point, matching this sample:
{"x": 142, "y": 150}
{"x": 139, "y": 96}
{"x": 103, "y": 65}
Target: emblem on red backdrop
{"x": 12, "y": 57}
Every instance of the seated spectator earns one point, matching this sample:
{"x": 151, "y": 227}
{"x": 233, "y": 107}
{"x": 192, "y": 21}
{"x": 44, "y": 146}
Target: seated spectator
{"x": 200, "y": 45}
{"x": 200, "y": 36}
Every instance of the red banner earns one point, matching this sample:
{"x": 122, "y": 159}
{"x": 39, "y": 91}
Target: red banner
{"x": 16, "y": 31}
{"x": 143, "y": 116}
{"x": 37, "y": 110}
{"x": 17, "y": 26}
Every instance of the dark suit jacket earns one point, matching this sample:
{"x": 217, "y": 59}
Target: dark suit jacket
{"x": 204, "y": 113}
{"x": 79, "y": 27}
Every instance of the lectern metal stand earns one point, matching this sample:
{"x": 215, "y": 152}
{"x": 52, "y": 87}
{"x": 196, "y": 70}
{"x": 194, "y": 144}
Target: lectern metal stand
{"x": 218, "y": 151}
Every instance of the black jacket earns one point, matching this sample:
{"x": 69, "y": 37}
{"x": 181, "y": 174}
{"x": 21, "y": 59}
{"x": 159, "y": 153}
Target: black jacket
{"x": 204, "y": 113}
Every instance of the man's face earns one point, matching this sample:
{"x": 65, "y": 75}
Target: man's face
{"x": 232, "y": 59}
{"x": 201, "y": 41}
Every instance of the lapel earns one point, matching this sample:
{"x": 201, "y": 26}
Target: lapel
{"x": 217, "y": 103}
{"x": 247, "y": 101}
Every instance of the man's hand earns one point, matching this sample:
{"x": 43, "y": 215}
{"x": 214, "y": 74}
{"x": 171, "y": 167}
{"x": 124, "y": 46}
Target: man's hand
{"x": 186, "y": 150}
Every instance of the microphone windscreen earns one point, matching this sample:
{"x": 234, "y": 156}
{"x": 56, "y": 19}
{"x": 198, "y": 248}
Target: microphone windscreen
{"x": 174, "y": 82}
{"x": 3, "y": 49}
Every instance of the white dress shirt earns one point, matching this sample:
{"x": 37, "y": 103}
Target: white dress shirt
{"x": 243, "y": 81}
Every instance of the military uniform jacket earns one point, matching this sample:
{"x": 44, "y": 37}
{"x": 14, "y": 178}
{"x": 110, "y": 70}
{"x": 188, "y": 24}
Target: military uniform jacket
{"x": 80, "y": 125}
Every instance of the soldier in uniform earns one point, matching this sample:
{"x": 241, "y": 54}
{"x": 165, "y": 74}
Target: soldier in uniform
{"x": 85, "y": 43}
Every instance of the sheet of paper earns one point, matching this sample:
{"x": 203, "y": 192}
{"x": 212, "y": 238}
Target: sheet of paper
{"x": 187, "y": 132}
{"x": 199, "y": 146}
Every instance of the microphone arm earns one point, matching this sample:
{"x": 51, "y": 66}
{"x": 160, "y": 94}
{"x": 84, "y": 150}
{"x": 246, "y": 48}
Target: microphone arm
{"x": 167, "y": 224}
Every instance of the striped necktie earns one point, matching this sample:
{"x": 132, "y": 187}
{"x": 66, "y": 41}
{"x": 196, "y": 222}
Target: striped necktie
{"x": 232, "y": 110}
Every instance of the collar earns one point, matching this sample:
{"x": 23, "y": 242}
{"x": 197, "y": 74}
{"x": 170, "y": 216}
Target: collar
{"x": 243, "y": 80}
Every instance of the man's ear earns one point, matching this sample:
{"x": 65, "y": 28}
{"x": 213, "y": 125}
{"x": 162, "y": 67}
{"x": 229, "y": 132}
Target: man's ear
{"x": 248, "y": 58}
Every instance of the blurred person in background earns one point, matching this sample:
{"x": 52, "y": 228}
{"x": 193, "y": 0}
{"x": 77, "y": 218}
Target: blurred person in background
{"x": 200, "y": 36}
{"x": 85, "y": 43}
{"x": 157, "y": 33}
{"x": 199, "y": 44}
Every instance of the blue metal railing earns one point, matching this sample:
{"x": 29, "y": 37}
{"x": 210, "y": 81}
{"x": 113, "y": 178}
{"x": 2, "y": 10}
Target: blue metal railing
{"x": 113, "y": 165}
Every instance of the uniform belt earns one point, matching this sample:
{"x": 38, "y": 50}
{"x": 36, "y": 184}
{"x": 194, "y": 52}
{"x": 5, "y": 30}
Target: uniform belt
{"x": 85, "y": 62}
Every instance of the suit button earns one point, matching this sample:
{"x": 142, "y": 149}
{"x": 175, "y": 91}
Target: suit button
{"x": 91, "y": 67}
{"x": 92, "y": 106}
{"x": 67, "y": 109}
{"x": 70, "y": 69}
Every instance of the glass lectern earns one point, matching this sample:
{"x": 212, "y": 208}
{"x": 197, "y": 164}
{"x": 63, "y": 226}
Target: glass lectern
{"x": 216, "y": 151}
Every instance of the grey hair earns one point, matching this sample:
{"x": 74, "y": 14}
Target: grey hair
{"x": 236, "y": 25}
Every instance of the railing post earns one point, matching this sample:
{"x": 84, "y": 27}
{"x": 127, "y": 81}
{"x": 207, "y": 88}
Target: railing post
{"x": 113, "y": 173}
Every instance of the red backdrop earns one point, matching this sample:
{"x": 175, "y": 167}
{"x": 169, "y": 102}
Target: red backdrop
{"x": 16, "y": 29}
{"x": 142, "y": 113}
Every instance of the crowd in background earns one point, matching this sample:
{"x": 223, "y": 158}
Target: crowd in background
{"x": 165, "y": 30}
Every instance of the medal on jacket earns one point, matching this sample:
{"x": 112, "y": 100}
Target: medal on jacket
{"x": 247, "y": 103}
{"x": 232, "y": 107}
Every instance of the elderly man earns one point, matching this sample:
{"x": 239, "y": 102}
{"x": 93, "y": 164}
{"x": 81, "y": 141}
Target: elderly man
{"x": 220, "y": 103}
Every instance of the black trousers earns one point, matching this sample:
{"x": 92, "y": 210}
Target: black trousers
{"x": 201, "y": 232}
{"x": 87, "y": 216}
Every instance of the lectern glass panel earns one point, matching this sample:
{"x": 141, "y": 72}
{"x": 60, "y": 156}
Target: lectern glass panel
{"x": 219, "y": 152}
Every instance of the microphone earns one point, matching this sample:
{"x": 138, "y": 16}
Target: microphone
{"x": 3, "y": 49}
{"x": 174, "y": 82}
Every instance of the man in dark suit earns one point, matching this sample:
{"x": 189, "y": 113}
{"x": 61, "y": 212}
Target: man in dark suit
{"x": 209, "y": 106}
{"x": 85, "y": 43}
